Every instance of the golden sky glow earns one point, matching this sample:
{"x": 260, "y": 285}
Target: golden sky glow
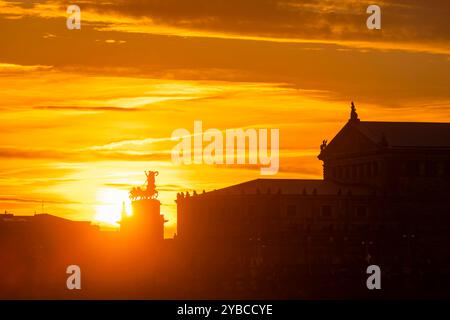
{"x": 85, "y": 112}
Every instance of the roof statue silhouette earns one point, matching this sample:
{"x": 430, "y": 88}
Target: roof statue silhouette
{"x": 353, "y": 114}
{"x": 323, "y": 145}
{"x": 149, "y": 192}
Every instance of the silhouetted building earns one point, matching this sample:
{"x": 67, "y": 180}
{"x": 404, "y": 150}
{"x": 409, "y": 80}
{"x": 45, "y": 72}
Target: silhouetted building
{"x": 368, "y": 167}
{"x": 384, "y": 200}
{"x": 42, "y": 227}
{"x": 393, "y": 157}
{"x": 36, "y": 250}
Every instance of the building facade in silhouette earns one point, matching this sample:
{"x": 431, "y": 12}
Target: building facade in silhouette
{"x": 369, "y": 169}
{"x": 384, "y": 199}
{"x": 402, "y": 158}
{"x": 36, "y": 250}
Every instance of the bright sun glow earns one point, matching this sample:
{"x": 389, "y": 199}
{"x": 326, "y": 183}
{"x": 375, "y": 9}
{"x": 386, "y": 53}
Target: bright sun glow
{"x": 109, "y": 208}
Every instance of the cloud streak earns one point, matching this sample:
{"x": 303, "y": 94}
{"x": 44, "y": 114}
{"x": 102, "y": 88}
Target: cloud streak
{"x": 415, "y": 25}
{"x": 84, "y": 109}
{"x": 81, "y": 155}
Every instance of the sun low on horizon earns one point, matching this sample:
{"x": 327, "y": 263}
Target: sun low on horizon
{"x": 112, "y": 204}
{"x": 85, "y": 112}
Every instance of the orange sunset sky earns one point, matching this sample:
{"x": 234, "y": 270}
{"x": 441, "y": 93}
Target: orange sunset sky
{"x": 84, "y": 112}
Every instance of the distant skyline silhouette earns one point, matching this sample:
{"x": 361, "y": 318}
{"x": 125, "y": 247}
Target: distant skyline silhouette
{"x": 90, "y": 104}
{"x": 382, "y": 205}
{"x": 80, "y": 125}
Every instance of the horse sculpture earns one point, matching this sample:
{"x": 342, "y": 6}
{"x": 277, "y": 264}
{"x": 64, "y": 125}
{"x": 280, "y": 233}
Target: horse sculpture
{"x": 150, "y": 192}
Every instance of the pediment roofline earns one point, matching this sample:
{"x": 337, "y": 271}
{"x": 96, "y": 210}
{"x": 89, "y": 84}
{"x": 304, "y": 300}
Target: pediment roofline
{"x": 369, "y": 136}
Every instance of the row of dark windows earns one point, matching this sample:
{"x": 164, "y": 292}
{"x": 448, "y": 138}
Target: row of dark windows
{"x": 292, "y": 210}
{"x": 326, "y": 211}
{"x": 415, "y": 168}
{"x": 355, "y": 171}
{"x": 411, "y": 168}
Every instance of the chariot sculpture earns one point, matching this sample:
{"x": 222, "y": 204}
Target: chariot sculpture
{"x": 149, "y": 192}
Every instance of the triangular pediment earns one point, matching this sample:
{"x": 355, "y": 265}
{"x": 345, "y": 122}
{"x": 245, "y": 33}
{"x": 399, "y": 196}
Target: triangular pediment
{"x": 349, "y": 141}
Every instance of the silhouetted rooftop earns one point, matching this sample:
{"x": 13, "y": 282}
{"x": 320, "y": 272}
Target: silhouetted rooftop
{"x": 407, "y": 134}
{"x": 292, "y": 186}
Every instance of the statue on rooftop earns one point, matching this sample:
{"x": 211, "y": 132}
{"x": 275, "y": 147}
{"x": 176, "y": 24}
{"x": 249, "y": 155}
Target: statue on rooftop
{"x": 150, "y": 192}
{"x": 353, "y": 114}
{"x": 323, "y": 145}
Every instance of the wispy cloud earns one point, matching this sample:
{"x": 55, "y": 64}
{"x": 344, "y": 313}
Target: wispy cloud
{"x": 84, "y": 109}
{"x": 6, "y": 68}
{"x": 81, "y": 155}
{"x": 339, "y": 22}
